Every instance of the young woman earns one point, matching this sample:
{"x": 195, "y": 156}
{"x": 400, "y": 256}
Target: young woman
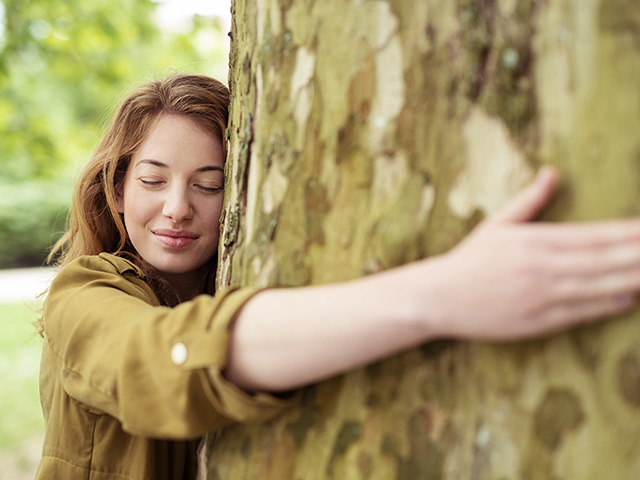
{"x": 140, "y": 359}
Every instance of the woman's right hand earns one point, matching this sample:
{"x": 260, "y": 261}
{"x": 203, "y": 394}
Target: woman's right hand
{"x": 512, "y": 279}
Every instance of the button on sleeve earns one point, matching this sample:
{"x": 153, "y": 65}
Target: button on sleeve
{"x": 179, "y": 353}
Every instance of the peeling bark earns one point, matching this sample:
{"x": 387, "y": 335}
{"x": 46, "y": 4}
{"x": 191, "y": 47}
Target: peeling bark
{"x": 367, "y": 134}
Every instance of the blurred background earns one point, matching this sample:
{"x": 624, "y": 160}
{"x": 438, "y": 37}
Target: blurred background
{"x": 63, "y": 67}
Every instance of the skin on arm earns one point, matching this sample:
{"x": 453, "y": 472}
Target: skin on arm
{"x": 509, "y": 279}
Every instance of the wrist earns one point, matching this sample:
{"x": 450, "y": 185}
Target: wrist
{"x": 413, "y": 295}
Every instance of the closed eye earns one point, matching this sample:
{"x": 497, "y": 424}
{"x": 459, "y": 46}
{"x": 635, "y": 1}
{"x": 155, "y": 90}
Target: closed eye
{"x": 208, "y": 189}
{"x": 150, "y": 182}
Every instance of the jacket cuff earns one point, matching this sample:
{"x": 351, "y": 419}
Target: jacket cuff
{"x": 227, "y": 398}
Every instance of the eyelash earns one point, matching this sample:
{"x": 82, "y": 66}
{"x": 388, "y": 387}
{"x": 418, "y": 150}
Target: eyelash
{"x": 209, "y": 189}
{"x": 151, "y": 183}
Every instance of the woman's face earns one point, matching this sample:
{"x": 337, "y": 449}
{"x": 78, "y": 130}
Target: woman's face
{"x": 172, "y": 197}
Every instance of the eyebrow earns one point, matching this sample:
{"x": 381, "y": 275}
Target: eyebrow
{"x": 156, "y": 163}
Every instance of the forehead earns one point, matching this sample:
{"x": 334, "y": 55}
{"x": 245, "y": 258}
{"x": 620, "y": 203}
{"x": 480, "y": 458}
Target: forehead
{"x": 176, "y": 139}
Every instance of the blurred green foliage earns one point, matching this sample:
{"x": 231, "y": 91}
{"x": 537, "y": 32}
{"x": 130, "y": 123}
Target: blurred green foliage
{"x": 63, "y": 66}
{"x": 32, "y": 216}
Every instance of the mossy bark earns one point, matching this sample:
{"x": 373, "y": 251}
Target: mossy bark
{"x": 367, "y": 134}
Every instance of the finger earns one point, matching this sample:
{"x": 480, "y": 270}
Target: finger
{"x": 587, "y": 287}
{"x": 567, "y": 315}
{"x": 596, "y": 260}
{"x": 530, "y": 201}
{"x": 590, "y": 234}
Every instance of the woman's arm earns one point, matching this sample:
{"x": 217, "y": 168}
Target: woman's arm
{"x": 507, "y": 280}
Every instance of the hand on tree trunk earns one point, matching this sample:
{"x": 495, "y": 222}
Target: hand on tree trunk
{"x": 512, "y": 279}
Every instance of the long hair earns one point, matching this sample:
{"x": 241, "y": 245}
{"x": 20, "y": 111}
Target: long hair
{"x": 94, "y": 224}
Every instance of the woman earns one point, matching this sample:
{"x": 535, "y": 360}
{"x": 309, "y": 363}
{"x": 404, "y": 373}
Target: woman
{"x": 137, "y": 363}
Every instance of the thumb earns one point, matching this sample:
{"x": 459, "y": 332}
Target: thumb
{"x": 531, "y": 200}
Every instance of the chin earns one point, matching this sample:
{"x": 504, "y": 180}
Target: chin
{"x": 171, "y": 268}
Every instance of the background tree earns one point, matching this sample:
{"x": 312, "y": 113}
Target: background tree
{"x": 366, "y": 134}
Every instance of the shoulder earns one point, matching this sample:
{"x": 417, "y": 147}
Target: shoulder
{"x": 98, "y": 273}
{"x": 104, "y": 262}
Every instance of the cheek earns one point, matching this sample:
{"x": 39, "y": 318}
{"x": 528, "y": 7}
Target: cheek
{"x": 138, "y": 211}
{"x": 213, "y": 212}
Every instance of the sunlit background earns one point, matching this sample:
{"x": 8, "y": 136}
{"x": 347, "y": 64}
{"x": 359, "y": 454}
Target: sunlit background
{"x": 63, "y": 66}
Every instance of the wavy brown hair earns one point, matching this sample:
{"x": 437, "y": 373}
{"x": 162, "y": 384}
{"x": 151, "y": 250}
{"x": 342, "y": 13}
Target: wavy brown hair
{"x": 94, "y": 224}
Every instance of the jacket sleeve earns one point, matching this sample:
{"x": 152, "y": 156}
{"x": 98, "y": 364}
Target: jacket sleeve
{"x": 158, "y": 370}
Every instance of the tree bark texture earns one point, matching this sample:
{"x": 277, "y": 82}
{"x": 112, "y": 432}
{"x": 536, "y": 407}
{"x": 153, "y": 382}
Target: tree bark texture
{"x": 367, "y": 134}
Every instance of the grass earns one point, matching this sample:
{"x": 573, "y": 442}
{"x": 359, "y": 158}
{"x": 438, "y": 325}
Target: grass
{"x": 20, "y": 412}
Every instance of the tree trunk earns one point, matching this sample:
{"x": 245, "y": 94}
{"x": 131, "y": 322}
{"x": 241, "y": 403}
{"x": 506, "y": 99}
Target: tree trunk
{"x": 367, "y": 134}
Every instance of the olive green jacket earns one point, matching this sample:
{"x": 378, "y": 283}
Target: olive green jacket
{"x": 127, "y": 386}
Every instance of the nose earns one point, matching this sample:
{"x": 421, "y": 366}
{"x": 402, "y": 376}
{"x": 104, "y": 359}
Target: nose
{"x": 177, "y": 205}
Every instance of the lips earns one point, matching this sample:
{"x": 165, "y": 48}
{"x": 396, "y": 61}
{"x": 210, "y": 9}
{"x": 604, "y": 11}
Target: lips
{"x": 175, "y": 239}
